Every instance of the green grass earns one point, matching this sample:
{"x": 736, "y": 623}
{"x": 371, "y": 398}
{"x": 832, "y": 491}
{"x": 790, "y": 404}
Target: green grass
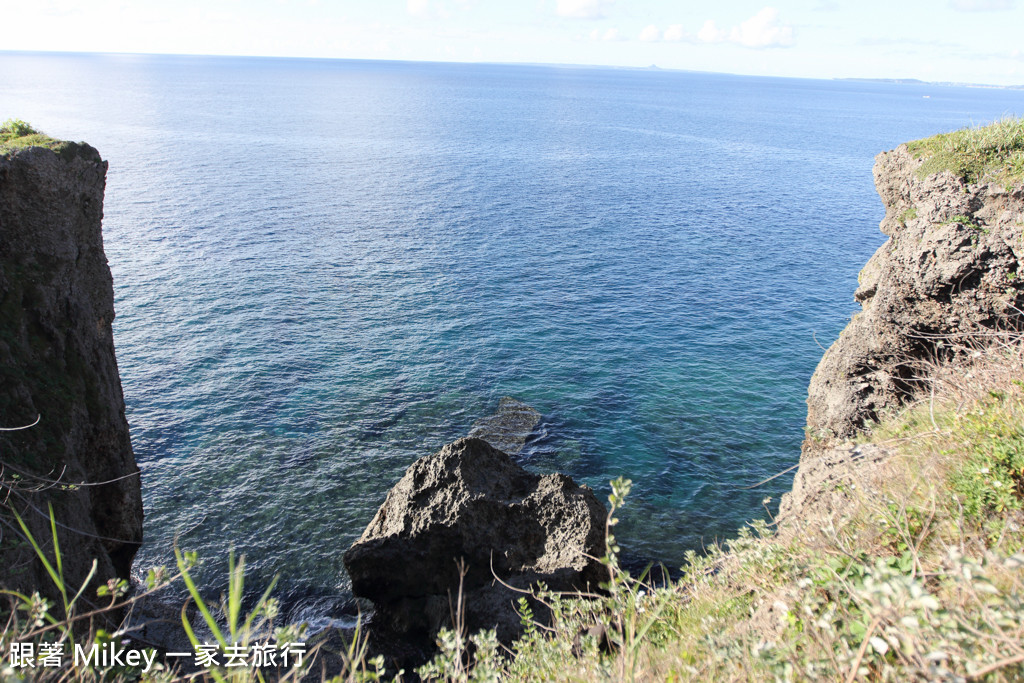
{"x": 38, "y": 623}
{"x": 987, "y": 153}
{"x": 16, "y": 134}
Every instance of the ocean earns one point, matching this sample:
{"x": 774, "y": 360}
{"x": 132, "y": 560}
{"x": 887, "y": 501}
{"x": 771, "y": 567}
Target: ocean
{"x": 325, "y": 269}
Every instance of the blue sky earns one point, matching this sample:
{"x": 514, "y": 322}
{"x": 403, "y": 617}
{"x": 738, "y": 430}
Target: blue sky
{"x": 980, "y": 41}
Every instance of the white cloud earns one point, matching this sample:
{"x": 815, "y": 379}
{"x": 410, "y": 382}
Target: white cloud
{"x": 418, "y": 8}
{"x": 709, "y": 33}
{"x": 651, "y": 34}
{"x": 982, "y": 5}
{"x": 763, "y": 30}
{"x": 583, "y": 9}
{"x": 675, "y": 33}
{"x": 759, "y": 31}
{"x": 610, "y": 34}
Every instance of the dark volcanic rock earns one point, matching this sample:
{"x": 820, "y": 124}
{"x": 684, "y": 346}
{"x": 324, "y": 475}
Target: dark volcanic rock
{"x": 509, "y": 427}
{"x": 57, "y": 362}
{"x": 472, "y": 502}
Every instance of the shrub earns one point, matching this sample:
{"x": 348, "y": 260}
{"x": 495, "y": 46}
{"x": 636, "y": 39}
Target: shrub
{"x": 16, "y": 134}
{"x": 15, "y": 128}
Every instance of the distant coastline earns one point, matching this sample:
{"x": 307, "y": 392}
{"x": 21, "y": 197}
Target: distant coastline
{"x": 944, "y": 84}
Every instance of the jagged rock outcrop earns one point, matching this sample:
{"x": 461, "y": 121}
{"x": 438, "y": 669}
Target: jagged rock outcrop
{"x": 948, "y": 270}
{"x": 472, "y": 502}
{"x": 57, "y": 362}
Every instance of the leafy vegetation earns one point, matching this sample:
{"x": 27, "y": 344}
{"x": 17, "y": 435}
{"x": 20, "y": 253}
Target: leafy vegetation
{"x": 986, "y": 153}
{"x": 16, "y": 134}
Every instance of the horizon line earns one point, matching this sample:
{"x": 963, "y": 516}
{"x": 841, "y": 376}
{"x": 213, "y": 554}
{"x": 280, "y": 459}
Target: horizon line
{"x": 557, "y": 65}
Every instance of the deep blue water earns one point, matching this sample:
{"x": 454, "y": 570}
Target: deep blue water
{"x": 326, "y": 269}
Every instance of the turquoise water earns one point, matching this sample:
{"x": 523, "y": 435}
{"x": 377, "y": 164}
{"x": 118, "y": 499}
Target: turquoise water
{"x": 326, "y": 269}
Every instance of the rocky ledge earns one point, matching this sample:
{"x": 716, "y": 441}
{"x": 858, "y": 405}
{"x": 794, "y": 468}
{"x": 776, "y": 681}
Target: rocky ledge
{"x": 471, "y": 504}
{"x": 947, "y": 280}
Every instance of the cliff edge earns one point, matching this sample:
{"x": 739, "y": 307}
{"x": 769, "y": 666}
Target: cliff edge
{"x": 948, "y": 272}
{"x": 57, "y": 364}
{"x": 899, "y": 553}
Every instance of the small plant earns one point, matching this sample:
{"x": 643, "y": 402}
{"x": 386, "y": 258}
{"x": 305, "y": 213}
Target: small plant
{"x": 357, "y": 667}
{"x": 245, "y": 634}
{"x": 450, "y": 662}
{"x": 991, "y": 480}
{"x": 15, "y": 128}
{"x": 961, "y": 219}
{"x": 908, "y": 214}
{"x": 44, "y": 640}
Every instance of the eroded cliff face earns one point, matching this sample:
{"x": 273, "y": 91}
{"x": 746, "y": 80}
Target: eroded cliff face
{"x": 947, "y": 277}
{"x": 947, "y": 272}
{"x": 57, "y": 362}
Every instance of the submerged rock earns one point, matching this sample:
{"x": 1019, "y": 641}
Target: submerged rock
{"x": 472, "y": 503}
{"x": 509, "y": 427}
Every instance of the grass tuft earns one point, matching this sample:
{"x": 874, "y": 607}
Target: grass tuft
{"x": 987, "y": 153}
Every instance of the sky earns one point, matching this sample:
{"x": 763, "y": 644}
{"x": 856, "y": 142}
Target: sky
{"x": 972, "y": 41}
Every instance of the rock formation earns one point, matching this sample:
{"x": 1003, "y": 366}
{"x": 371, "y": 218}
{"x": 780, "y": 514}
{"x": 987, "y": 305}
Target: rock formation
{"x": 947, "y": 277}
{"x": 57, "y": 362}
{"x": 947, "y": 271}
{"x": 473, "y": 503}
